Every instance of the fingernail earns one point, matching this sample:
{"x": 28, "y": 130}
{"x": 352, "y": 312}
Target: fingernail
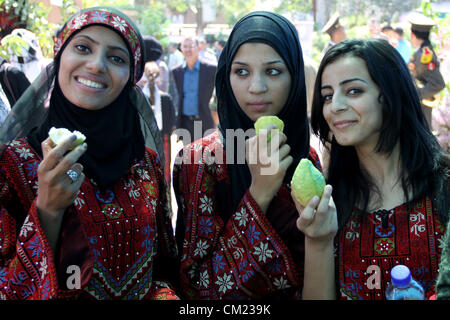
{"x": 315, "y": 200}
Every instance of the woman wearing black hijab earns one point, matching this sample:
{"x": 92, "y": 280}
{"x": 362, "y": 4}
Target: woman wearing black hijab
{"x": 237, "y": 227}
{"x": 92, "y": 222}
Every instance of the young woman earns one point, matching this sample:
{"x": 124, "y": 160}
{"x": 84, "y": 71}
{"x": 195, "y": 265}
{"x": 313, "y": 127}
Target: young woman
{"x": 236, "y": 226}
{"x": 92, "y": 222}
{"x": 388, "y": 172}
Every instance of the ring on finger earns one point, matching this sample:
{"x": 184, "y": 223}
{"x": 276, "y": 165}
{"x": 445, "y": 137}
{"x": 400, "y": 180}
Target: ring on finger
{"x": 73, "y": 175}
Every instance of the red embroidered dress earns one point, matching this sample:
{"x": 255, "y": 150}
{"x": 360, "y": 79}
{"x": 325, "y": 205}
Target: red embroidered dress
{"x": 384, "y": 239}
{"x": 250, "y": 255}
{"x": 120, "y": 239}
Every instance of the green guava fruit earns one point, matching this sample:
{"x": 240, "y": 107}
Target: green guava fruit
{"x": 307, "y": 182}
{"x": 264, "y": 121}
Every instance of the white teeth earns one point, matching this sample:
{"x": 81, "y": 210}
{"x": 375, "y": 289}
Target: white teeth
{"x": 90, "y": 83}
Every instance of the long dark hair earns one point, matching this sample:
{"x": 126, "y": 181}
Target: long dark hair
{"x": 424, "y": 166}
{"x": 279, "y": 33}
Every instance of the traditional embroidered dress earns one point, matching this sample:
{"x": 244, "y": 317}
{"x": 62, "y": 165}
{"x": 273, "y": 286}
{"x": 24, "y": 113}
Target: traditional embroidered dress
{"x": 249, "y": 254}
{"x": 383, "y": 239}
{"x": 120, "y": 240}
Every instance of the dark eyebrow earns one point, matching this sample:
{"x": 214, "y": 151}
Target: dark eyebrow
{"x": 110, "y": 47}
{"x": 266, "y": 63}
{"x": 346, "y": 81}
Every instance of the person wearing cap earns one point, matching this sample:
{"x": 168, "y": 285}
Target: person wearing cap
{"x": 335, "y": 30}
{"x": 424, "y": 64}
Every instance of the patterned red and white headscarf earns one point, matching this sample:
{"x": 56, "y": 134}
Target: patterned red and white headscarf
{"x": 111, "y": 18}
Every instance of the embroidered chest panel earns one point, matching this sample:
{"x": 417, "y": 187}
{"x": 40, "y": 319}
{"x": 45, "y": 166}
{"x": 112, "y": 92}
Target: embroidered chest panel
{"x": 368, "y": 250}
{"x": 120, "y": 224}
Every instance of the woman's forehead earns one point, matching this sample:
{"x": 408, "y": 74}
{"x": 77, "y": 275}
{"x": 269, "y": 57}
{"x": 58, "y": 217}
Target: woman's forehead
{"x": 103, "y": 35}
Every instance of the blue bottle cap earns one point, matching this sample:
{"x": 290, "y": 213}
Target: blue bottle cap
{"x": 400, "y": 276}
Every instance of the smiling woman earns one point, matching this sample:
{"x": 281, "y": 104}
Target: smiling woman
{"x": 389, "y": 175}
{"x": 94, "y": 68}
{"x": 101, "y": 207}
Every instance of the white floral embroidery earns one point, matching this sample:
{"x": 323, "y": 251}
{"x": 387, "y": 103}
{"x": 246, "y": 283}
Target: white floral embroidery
{"x": 143, "y": 174}
{"x": 202, "y": 246}
{"x": 137, "y": 54}
{"x": 204, "y": 279}
{"x": 242, "y": 217}
{"x": 441, "y": 243}
{"x": 27, "y": 226}
{"x": 15, "y": 143}
{"x": 154, "y": 203}
{"x": 206, "y": 204}
{"x": 24, "y": 153}
{"x": 43, "y": 267}
{"x": 263, "y": 252}
{"x": 119, "y": 23}
{"x": 281, "y": 283}
{"x": 225, "y": 283}
{"x": 79, "y": 21}
{"x": 79, "y": 203}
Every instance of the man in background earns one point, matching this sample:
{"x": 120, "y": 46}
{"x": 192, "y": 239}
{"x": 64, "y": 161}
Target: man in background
{"x": 194, "y": 84}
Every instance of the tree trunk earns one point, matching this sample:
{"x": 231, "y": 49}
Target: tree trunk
{"x": 199, "y": 16}
{"x": 321, "y": 13}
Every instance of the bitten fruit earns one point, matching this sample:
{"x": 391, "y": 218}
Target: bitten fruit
{"x": 264, "y": 121}
{"x": 59, "y": 134}
{"x": 307, "y": 182}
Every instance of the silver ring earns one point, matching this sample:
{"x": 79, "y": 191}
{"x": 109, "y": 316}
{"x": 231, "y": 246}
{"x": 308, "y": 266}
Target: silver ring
{"x": 72, "y": 174}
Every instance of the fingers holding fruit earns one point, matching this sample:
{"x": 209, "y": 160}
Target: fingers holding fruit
{"x": 59, "y": 174}
{"x": 313, "y": 200}
{"x": 268, "y": 157}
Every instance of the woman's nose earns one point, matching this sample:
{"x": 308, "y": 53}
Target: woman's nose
{"x": 257, "y": 84}
{"x": 97, "y": 63}
{"x": 338, "y": 104}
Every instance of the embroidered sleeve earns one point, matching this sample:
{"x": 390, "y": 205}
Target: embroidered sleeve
{"x": 165, "y": 265}
{"x": 243, "y": 258}
{"x": 27, "y": 270}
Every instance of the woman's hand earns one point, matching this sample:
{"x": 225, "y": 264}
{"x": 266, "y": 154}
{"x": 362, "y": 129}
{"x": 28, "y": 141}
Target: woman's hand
{"x": 318, "y": 220}
{"x": 56, "y": 189}
{"x": 268, "y": 163}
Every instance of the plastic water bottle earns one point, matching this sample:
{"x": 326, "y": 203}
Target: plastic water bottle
{"x": 403, "y": 286}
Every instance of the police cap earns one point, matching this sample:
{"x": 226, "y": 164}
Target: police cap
{"x": 332, "y": 24}
{"x": 420, "y": 23}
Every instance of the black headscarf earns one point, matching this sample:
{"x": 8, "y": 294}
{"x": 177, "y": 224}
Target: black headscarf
{"x": 113, "y": 133}
{"x": 153, "y": 48}
{"x": 277, "y": 32}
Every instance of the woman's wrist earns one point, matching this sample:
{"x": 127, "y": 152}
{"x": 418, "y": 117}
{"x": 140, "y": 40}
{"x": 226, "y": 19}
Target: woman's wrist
{"x": 315, "y": 244}
{"x": 261, "y": 198}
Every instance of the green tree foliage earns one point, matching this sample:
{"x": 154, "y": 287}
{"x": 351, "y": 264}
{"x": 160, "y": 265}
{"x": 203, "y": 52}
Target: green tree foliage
{"x": 31, "y": 16}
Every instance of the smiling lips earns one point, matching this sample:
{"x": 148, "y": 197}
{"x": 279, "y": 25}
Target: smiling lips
{"x": 343, "y": 124}
{"x": 90, "y": 83}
